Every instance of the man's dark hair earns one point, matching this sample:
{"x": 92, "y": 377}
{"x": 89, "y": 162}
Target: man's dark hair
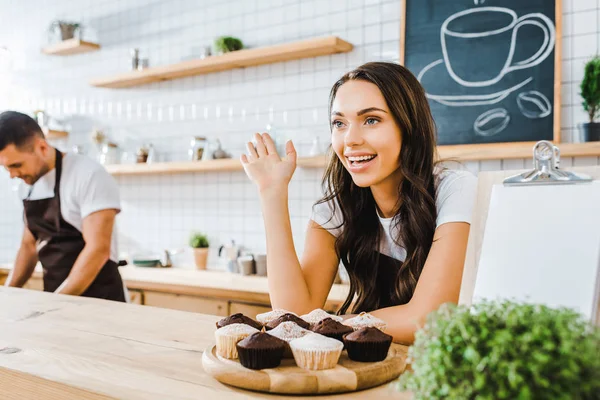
{"x": 18, "y": 129}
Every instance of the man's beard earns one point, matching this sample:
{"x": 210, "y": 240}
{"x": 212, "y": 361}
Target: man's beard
{"x": 34, "y": 178}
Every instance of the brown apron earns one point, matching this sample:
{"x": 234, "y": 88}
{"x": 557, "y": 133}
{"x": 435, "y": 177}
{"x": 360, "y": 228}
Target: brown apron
{"x": 60, "y": 243}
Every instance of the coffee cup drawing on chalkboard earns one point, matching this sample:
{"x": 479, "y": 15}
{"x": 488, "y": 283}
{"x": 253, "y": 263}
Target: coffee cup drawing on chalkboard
{"x": 463, "y": 36}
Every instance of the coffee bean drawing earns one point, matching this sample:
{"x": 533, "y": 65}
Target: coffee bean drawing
{"x": 491, "y": 122}
{"x": 533, "y": 104}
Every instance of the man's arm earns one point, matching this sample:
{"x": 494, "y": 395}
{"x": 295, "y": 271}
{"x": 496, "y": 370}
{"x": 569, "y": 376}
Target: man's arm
{"x": 25, "y": 262}
{"x": 97, "y": 232}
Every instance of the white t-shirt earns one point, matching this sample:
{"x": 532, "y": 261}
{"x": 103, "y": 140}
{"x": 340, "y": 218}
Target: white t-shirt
{"x": 85, "y": 187}
{"x": 454, "y": 200}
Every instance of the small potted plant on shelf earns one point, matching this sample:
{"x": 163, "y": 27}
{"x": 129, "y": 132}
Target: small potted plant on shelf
{"x": 66, "y": 29}
{"x": 226, "y": 44}
{"x": 504, "y": 350}
{"x": 199, "y": 242}
{"x": 590, "y": 92}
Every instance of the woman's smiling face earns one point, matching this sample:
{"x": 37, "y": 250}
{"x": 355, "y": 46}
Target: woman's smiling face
{"x": 364, "y": 134}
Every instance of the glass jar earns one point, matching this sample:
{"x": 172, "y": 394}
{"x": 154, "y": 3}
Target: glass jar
{"x": 110, "y": 154}
{"x": 197, "y": 146}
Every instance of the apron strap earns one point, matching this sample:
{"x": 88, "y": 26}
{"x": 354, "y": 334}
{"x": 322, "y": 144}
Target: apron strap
{"x": 58, "y": 166}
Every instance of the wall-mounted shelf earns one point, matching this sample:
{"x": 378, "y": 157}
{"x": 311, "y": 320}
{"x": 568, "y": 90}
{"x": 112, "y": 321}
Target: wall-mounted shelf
{"x": 590, "y": 149}
{"x": 237, "y": 59}
{"x": 229, "y": 164}
{"x": 69, "y": 47}
{"x": 54, "y": 134}
{"x": 473, "y": 152}
{"x": 175, "y": 167}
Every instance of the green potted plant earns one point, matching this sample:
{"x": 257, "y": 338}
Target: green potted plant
{"x": 504, "y": 350}
{"x": 66, "y": 29}
{"x": 590, "y": 92}
{"x": 225, "y": 44}
{"x": 199, "y": 242}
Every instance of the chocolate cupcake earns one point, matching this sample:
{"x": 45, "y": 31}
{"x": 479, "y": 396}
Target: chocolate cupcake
{"x": 239, "y": 318}
{"x": 260, "y": 350}
{"x": 287, "y": 317}
{"x": 367, "y": 344}
{"x": 331, "y": 328}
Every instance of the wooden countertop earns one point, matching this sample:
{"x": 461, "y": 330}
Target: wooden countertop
{"x": 65, "y": 347}
{"x": 215, "y": 284}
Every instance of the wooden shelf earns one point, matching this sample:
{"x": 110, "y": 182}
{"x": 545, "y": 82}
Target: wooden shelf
{"x": 237, "y": 59}
{"x": 54, "y": 134}
{"x": 591, "y": 149}
{"x": 70, "y": 47}
{"x": 501, "y": 151}
{"x": 228, "y": 164}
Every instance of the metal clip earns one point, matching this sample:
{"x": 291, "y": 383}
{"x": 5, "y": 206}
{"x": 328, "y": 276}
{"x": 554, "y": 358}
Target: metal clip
{"x": 546, "y": 161}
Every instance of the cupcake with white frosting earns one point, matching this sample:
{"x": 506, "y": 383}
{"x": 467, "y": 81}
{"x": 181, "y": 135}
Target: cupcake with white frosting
{"x": 366, "y": 320}
{"x": 267, "y": 317}
{"x": 288, "y": 331}
{"x": 318, "y": 315}
{"x": 316, "y": 352}
{"x": 228, "y": 336}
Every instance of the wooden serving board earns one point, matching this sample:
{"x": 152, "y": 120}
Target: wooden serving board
{"x": 288, "y": 378}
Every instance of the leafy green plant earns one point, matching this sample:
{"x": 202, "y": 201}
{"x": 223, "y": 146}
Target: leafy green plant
{"x": 590, "y": 88}
{"x": 228, "y": 43}
{"x": 504, "y": 350}
{"x": 198, "y": 240}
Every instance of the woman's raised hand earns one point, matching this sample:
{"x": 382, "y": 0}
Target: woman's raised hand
{"x": 264, "y": 166}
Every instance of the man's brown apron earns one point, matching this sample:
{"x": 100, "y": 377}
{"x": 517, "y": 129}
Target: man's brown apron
{"x": 59, "y": 245}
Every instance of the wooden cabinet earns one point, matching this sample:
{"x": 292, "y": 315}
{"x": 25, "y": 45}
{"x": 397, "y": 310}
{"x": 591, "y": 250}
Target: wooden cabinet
{"x": 186, "y": 303}
{"x": 249, "y": 310}
{"x": 136, "y": 296}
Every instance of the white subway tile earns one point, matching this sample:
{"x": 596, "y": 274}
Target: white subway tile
{"x": 585, "y": 46}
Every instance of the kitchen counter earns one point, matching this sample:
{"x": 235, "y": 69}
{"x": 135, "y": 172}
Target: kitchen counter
{"x": 219, "y": 286}
{"x": 65, "y": 347}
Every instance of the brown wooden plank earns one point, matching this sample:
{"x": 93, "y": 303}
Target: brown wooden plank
{"x": 70, "y": 47}
{"x": 313, "y": 47}
{"x": 16, "y": 385}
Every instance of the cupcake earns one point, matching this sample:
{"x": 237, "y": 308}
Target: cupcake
{"x": 331, "y": 328}
{"x": 367, "y": 344}
{"x": 364, "y": 320}
{"x": 287, "y": 317}
{"x": 267, "y": 317}
{"x": 260, "y": 350}
{"x": 318, "y": 315}
{"x": 316, "y": 352}
{"x": 288, "y": 331}
{"x": 228, "y": 336}
{"x": 239, "y": 318}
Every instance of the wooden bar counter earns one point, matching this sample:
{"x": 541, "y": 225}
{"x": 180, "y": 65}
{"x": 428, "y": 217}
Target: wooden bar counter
{"x": 64, "y": 347}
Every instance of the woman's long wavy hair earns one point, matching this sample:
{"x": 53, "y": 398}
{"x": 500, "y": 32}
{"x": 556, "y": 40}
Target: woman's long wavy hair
{"x": 415, "y": 219}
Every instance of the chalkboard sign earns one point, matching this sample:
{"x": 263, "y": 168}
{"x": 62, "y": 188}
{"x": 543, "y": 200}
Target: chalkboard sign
{"x": 487, "y": 66}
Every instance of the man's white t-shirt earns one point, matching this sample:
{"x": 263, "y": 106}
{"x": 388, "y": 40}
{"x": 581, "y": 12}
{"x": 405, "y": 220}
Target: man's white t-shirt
{"x": 85, "y": 187}
{"x": 454, "y": 200}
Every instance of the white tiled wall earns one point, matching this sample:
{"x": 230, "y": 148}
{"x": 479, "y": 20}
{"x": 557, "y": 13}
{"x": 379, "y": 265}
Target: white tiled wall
{"x": 159, "y": 211}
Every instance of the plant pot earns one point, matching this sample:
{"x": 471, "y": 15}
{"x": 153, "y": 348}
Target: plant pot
{"x": 67, "y": 31}
{"x": 589, "y": 132}
{"x": 200, "y": 257}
